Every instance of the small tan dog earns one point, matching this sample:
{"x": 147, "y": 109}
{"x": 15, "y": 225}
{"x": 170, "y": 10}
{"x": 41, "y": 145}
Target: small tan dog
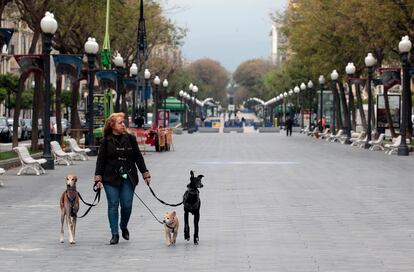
{"x": 69, "y": 206}
{"x": 171, "y": 225}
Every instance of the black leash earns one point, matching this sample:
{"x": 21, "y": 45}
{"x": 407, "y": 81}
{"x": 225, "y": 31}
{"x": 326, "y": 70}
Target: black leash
{"x": 97, "y": 197}
{"x": 143, "y": 203}
{"x": 163, "y": 202}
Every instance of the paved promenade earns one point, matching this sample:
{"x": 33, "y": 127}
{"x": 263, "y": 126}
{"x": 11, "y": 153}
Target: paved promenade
{"x": 269, "y": 203}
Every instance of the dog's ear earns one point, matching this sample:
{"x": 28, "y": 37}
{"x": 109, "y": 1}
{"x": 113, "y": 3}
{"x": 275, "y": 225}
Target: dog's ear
{"x": 67, "y": 177}
{"x": 174, "y": 213}
{"x": 75, "y": 178}
{"x": 192, "y": 173}
{"x": 200, "y": 177}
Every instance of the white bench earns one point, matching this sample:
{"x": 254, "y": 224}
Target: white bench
{"x": 377, "y": 144}
{"x": 60, "y": 155}
{"x": 81, "y": 152}
{"x": 2, "y": 171}
{"x": 28, "y": 162}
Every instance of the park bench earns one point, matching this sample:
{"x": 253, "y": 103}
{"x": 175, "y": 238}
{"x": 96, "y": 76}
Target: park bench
{"x": 325, "y": 133}
{"x": 360, "y": 138}
{"x": 81, "y": 152}
{"x": 28, "y": 162}
{"x": 336, "y": 137}
{"x": 377, "y": 144}
{"x": 60, "y": 155}
{"x": 393, "y": 148}
{"x": 2, "y": 171}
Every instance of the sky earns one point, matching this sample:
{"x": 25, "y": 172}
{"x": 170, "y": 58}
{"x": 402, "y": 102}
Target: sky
{"x": 228, "y": 31}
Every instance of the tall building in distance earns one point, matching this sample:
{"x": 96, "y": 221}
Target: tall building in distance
{"x": 278, "y": 45}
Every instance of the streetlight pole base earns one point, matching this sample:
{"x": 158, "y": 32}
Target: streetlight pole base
{"x": 347, "y": 141}
{"x": 50, "y": 163}
{"x": 403, "y": 150}
{"x": 93, "y": 152}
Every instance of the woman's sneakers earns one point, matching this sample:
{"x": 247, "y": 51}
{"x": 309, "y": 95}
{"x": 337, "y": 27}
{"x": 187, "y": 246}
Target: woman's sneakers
{"x": 125, "y": 234}
{"x": 115, "y": 239}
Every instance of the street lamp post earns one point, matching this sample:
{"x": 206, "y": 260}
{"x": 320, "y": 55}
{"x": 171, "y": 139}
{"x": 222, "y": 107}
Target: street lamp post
{"x": 404, "y": 47}
{"x": 190, "y": 125}
{"x": 181, "y": 94}
{"x": 165, "y": 85}
{"x": 133, "y": 71}
{"x": 157, "y": 83}
{"x": 334, "y": 78}
{"x": 297, "y": 91}
{"x": 310, "y": 87}
{"x": 91, "y": 49}
{"x": 350, "y": 71}
{"x": 370, "y": 61}
{"x": 303, "y": 89}
{"x": 147, "y": 75}
{"x": 195, "y": 90}
{"x": 119, "y": 64}
{"x": 49, "y": 26}
{"x": 321, "y": 83}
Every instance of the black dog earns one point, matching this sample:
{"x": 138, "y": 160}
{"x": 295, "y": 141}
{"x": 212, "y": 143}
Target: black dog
{"x": 192, "y": 203}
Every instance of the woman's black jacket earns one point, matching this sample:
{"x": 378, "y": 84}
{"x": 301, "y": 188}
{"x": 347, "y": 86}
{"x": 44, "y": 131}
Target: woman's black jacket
{"x": 116, "y": 156}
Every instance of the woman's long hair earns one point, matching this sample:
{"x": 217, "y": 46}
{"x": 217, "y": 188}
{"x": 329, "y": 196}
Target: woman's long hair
{"x": 110, "y": 122}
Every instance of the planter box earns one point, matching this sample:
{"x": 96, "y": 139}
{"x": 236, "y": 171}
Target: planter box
{"x": 269, "y": 130}
{"x": 230, "y": 129}
{"x": 208, "y": 130}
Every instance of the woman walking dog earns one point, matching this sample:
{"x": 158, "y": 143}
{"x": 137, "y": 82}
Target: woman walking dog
{"x": 116, "y": 171}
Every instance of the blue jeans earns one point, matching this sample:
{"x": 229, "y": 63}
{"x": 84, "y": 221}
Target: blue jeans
{"x": 119, "y": 195}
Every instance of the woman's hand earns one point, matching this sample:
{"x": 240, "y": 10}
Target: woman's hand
{"x": 147, "y": 177}
{"x": 98, "y": 182}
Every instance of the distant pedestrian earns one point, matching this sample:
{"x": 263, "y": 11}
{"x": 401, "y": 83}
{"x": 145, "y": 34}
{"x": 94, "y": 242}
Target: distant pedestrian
{"x": 289, "y": 125}
{"x": 116, "y": 171}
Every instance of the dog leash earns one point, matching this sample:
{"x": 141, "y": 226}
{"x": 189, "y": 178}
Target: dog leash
{"x": 163, "y": 202}
{"x": 143, "y": 203}
{"x": 97, "y": 197}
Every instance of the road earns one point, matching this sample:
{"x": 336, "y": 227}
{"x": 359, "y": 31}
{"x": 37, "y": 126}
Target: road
{"x": 269, "y": 203}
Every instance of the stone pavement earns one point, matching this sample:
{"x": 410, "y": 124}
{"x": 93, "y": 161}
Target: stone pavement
{"x": 269, "y": 203}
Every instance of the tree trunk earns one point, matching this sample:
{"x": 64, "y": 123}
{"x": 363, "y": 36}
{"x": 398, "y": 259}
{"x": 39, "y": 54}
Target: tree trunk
{"x": 388, "y": 114}
{"x": 124, "y": 107}
{"x": 353, "y": 110}
{"x": 59, "y": 107}
{"x": 344, "y": 105}
{"x": 74, "y": 115}
{"x": 338, "y": 121}
{"x": 17, "y": 109}
{"x": 360, "y": 106}
{"x": 37, "y": 111}
{"x": 409, "y": 120}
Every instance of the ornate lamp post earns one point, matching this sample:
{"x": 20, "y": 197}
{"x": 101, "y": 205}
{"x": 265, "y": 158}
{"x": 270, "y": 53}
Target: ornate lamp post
{"x": 310, "y": 87}
{"x": 303, "y": 89}
{"x": 321, "y": 83}
{"x": 133, "y": 72}
{"x": 190, "y": 121}
{"x": 195, "y": 90}
{"x": 157, "y": 83}
{"x": 91, "y": 49}
{"x": 165, "y": 85}
{"x": 296, "y": 90}
{"x": 49, "y": 26}
{"x": 147, "y": 76}
{"x": 370, "y": 61}
{"x": 119, "y": 64}
{"x": 350, "y": 71}
{"x": 181, "y": 94}
{"x": 404, "y": 47}
{"x": 334, "y": 78}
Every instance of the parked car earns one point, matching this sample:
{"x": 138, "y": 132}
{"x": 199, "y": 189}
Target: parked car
{"x": 53, "y": 126}
{"x": 21, "y": 130}
{"x": 5, "y": 132}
